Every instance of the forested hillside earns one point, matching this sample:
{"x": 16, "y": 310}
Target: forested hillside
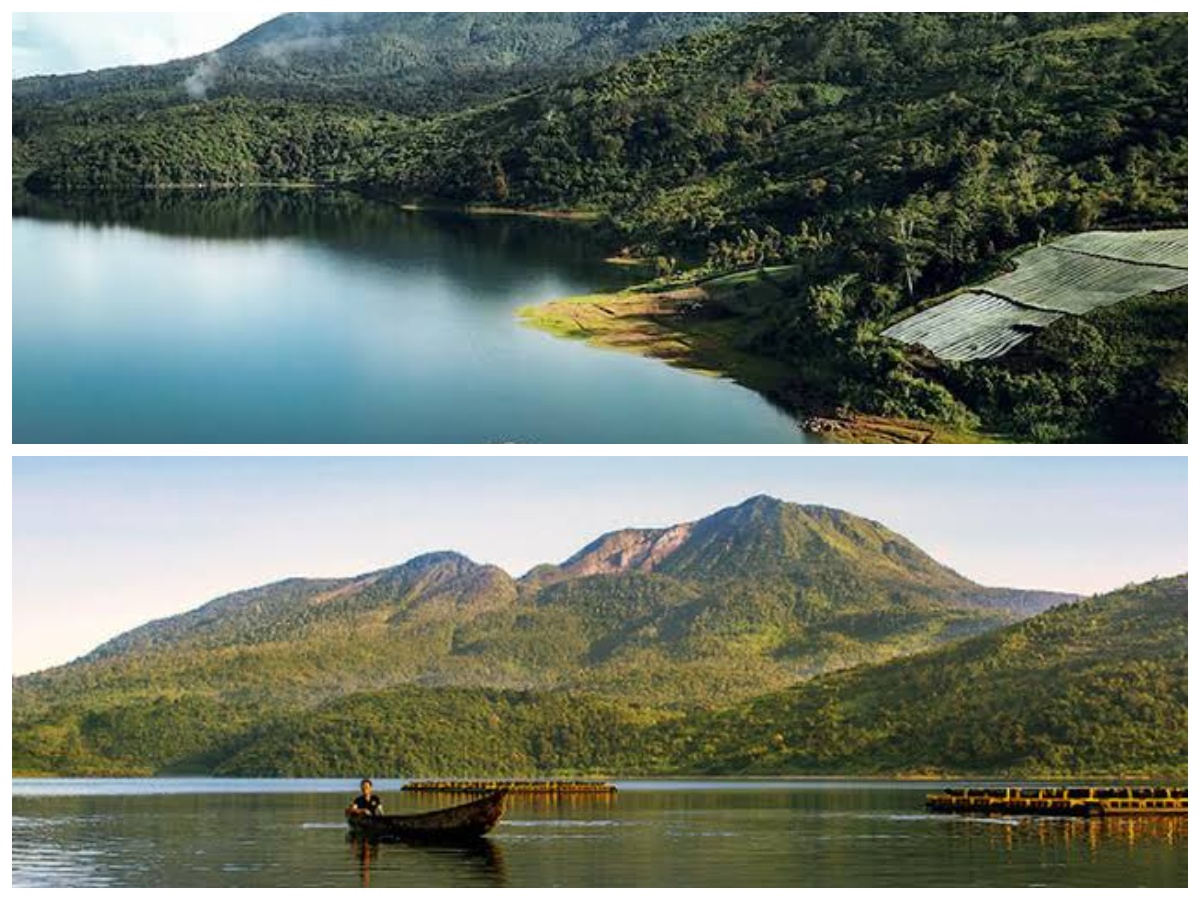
{"x": 412, "y": 62}
{"x": 752, "y": 598}
{"x": 1099, "y": 686}
{"x": 872, "y": 161}
{"x": 830, "y": 119}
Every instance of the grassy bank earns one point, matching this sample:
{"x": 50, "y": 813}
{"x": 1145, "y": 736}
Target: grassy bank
{"x": 697, "y": 325}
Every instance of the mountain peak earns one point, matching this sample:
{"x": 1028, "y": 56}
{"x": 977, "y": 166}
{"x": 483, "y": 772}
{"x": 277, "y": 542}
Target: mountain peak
{"x": 443, "y": 581}
{"x": 646, "y": 549}
{"x": 761, "y": 501}
{"x": 628, "y": 550}
{"x": 436, "y": 559}
{"x": 761, "y": 535}
{"x": 809, "y": 561}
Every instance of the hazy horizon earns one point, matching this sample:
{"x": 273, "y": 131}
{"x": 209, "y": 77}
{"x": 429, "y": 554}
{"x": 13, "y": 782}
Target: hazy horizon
{"x": 103, "y": 545}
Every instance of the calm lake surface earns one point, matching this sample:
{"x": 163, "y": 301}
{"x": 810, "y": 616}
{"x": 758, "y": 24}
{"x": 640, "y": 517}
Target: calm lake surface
{"x": 207, "y": 832}
{"x": 328, "y": 318}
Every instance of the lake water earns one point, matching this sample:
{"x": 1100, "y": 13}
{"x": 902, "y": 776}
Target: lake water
{"x": 200, "y": 832}
{"x": 328, "y": 318}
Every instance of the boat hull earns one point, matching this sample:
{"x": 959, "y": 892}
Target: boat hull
{"x": 457, "y": 823}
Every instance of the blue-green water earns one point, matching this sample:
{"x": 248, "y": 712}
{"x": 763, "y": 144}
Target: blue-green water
{"x": 325, "y": 318}
{"x": 208, "y": 832}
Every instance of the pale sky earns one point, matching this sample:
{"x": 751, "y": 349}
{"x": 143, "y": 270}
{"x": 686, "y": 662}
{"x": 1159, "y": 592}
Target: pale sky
{"x": 45, "y": 43}
{"x": 102, "y": 545}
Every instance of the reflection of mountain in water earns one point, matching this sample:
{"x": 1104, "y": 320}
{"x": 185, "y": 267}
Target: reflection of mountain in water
{"x": 502, "y": 252}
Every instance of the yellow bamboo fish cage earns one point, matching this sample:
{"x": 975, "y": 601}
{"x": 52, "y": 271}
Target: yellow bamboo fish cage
{"x": 1062, "y": 801}
{"x": 531, "y": 786}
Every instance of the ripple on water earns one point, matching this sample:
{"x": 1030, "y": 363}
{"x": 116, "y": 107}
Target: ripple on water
{"x": 542, "y": 837}
{"x": 39, "y": 866}
{"x": 566, "y": 823}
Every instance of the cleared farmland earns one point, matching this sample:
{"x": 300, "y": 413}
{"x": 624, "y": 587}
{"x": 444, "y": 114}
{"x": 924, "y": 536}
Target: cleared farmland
{"x": 1159, "y": 248}
{"x": 1072, "y": 276}
{"x": 1065, "y": 281}
{"x": 972, "y": 326}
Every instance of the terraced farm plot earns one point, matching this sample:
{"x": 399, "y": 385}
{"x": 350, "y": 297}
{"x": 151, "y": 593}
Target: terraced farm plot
{"x": 1072, "y": 276}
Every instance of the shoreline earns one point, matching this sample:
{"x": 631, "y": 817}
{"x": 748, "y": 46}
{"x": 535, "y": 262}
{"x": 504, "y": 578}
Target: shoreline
{"x": 558, "y": 215}
{"x": 901, "y": 778}
{"x": 686, "y": 325}
{"x": 686, "y": 322}
{"x": 365, "y": 191}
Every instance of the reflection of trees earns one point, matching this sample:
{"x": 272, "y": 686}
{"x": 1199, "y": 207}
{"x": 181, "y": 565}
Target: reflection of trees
{"x": 376, "y": 229}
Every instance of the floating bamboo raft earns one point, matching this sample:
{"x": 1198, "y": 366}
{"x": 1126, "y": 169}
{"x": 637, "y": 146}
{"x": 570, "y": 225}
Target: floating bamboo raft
{"x": 538, "y": 786}
{"x": 1063, "y": 801}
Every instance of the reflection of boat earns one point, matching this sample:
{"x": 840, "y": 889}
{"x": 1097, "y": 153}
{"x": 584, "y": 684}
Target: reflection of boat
{"x": 1063, "y": 801}
{"x": 472, "y": 859}
{"x": 457, "y": 823}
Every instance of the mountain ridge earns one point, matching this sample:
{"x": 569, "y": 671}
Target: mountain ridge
{"x": 753, "y": 598}
{"x": 761, "y": 536}
{"x": 1092, "y": 689}
{"x": 387, "y": 59}
{"x": 698, "y": 629}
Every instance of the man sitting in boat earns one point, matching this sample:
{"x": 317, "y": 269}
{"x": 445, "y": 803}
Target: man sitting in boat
{"x": 367, "y": 803}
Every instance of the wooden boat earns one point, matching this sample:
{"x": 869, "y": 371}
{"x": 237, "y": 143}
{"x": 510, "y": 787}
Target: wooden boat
{"x": 457, "y": 823}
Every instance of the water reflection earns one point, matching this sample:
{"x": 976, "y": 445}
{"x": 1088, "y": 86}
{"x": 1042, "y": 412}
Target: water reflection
{"x": 368, "y": 230}
{"x": 326, "y": 317}
{"x": 775, "y": 835}
{"x": 479, "y": 862}
{"x": 1088, "y": 833}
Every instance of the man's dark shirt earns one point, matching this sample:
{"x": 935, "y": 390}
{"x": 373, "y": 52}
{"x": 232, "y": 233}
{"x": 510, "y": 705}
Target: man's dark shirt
{"x": 372, "y": 804}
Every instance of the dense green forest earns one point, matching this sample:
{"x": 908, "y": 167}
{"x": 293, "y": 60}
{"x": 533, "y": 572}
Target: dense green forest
{"x": 1117, "y": 374}
{"x": 1094, "y": 688}
{"x": 885, "y": 159}
{"x": 696, "y": 616}
{"x": 301, "y": 91}
{"x": 1099, "y": 686}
